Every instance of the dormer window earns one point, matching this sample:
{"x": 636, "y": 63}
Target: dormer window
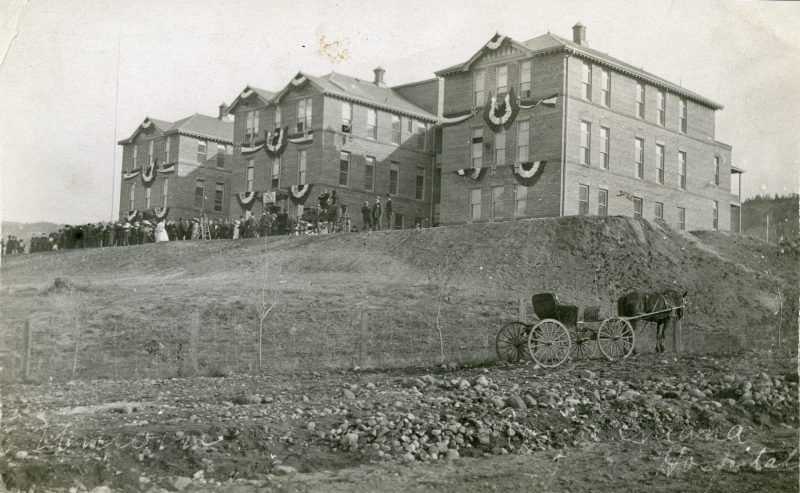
{"x": 276, "y": 117}
{"x": 502, "y": 81}
{"x": 304, "y": 112}
{"x": 251, "y": 125}
{"x": 135, "y": 158}
{"x": 525, "y": 79}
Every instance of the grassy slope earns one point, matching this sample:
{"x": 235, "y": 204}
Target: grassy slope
{"x": 132, "y": 295}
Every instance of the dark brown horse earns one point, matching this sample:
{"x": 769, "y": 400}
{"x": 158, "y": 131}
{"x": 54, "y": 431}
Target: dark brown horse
{"x": 666, "y": 308}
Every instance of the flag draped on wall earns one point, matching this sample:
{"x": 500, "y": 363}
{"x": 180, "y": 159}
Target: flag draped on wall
{"x": 527, "y": 173}
{"x": 474, "y": 173}
{"x": 246, "y": 199}
{"x": 532, "y": 103}
{"x": 149, "y": 174}
{"x": 299, "y": 193}
{"x": 131, "y": 173}
{"x": 276, "y": 142}
{"x": 500, "y": 114}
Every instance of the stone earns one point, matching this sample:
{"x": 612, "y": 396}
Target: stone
{"x": 181, "y": 483}
{"x": 452, "y": 454}
{"x": 697, "y": 393}
{"x": 21, "y": 455}
{"x": 348, "y": 394}
{"x": 482, "y": 381}
{"x": 408, "y": 457}
{"x": 588, "y": 374}
{"x": 611, "y": 393}
{"x": 283, "y": 470}
{"x": 628, "y": 395}
{"x": 530, "y": 401}
{"x": 515, "y": 402}
{"x": 100, "y": 489}
{"x": 247, "y": 399}
{"x": 498, "y": 402}
{"x": 463, "y": 384}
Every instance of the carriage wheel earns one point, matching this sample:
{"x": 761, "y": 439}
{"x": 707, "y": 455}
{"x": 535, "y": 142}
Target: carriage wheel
{"x": 585, "y": 345}
{"x": 510, "y": 343}
{"x": 549, "y": 343}
{"x": 615, "y": 338}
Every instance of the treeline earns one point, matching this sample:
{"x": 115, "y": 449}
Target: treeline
{"x": 772, "y": 217}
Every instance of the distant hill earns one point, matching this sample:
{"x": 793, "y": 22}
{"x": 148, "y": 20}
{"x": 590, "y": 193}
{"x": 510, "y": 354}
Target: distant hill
{"x": 26, "y": 230}
{"x": 783, "y": 217}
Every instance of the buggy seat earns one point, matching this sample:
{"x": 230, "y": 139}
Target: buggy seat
{"x": 546, "y": 305}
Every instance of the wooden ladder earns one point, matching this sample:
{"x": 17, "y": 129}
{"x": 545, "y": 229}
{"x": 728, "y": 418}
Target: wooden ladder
{"x": 205, "y": 234}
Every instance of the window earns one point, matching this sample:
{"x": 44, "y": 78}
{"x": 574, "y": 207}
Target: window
{"x": 301, "y": 167}
{"x": 479, "y": 96}
{"x": 132, "y": 197}
{"x": 682, "y": 115}
{"x": 201, "y": 151}
{"x": 372, "y": 124}
{"x": 135, "y": 158}
{"x": 394, "y": 177}
{"x": 475, "y": 204}
{"x": 304, "y": 111}
{"x": 583, "y": 200}
{"x": 419, "y": 192}
{"x": 395, "y": 129}
{"x": 605, "y": 87}
{"x": 602, "y": 202}
{"x": 344, "y": 168}
{"x": 499, "y": 148}
{"x": 637, "y": 207}
{"x": 164, "y": 192}
{"x": 398, "y": 221}
{"x": 276, "y": 172}
{"x": 586, "y": 81}
{"x": 249, "y": 175}
{"x": 502, "y": 81}
{"x": 409, "y": 126}
{"x": 662, "y": 107}
{"x": 220, "y": 156}
{"x": 681, "y": 218}
{"x": 147, "y": 192}
{"x": 150, "y": 153}
{"x": 715, "y": 215}
{"x": 369, "y": 173}
{"x": 586, "y": 142}
{"x": 167, "y": 151}
{"x": 276, "y": 118}
{"x": 659, "y": 210}
{"x": 252, "y": 118}
{"x": 682, "y": 169}
{"x": 497, "y": 201}
{"x": 638, "y": 157}
{"x": 520, "y": 201}
{"x": 347, "y": 117}
{"x": 421, "y": 129}
{"x": 523, "y": 139}
{"x": 219, "y": 191}
{"x": 199, "y": 192}
{"x": 605, "y": 146}
{"x": 660, "y": 163}
{"x": 525, "y": 79}
{"x": 716, "y": 170}
{"x": 477, "y": 147}
{"x": 640, "y": 100}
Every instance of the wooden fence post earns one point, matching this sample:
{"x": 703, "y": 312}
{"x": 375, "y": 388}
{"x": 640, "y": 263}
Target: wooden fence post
{"x": 194, "y": 340}
{"x": 27, "y": 343}
{"x": 523, "y": 308}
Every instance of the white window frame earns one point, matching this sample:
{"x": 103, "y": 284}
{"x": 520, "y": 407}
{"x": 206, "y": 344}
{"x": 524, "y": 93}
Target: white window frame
{"x": 638, "y": 157}
{"x": 501, "y": 78}
{"x": 605, "y": 87}
{"x": 682, "y": 170}
{"x": 249, "y": 175}
{"x": 715, "y": 215}
{"x": 150, "y": 153}
{"x": 204, "y": 145}
{"x": 525, "y": 79}
{"x": 148, "y": 193}
{"x": 479, "y": 88}
{"x": 602, "y": 202}
{"x": 523, "y": 140}
{"x": 681, "y": 218}
{"x": 658, "y": 210}
{"x": 583, "y": 199}
{"x": 369, "y": 173}
{"x": 586, "y": 143}
{"x": 586, "y": 81}
{"x": 661, "y": 108}
{"x": 683, "y": 115}
{"x": 301, "y": 166}
{"x": 716, "y": 170}
{"x": 660, "y": 162}
{"x": 419, "y": 188}
{"x": 477, "y": 147}
{"x": 165, "y": 192}
{"x": 135, "y": 157}
{"x": 640, "y": 99}
{"x": 397, "y": 129}
{"x": 605, "y": 147}
{"x": 132, "y": 197}
{"x": 500, "y": 148}
{"x": 219, "y": 196}
{"x": 638, "y": 207}
{"x": 347, "y": 117}
{"x": 475, "y": 204}
{"x": 372, "y": 126}
{"x": 167, "y": 150}
{"x": 275, "y": 175}
{"x": 520, "y": 200}
{"x": 305, "y": 111}
{"x": 277, "y": 117}
{"x": 199, "y": 184}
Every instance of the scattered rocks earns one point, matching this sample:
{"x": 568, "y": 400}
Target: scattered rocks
{"x": 283, "y": 470}
{"x": 181, "y": 483}
{"x": 515, "y": 402}
{"x": 348, "y": 394}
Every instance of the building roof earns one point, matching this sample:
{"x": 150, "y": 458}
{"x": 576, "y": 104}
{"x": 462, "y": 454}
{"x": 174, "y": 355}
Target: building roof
{"x": 263, "y": 95}
{"x": 552, "y": 43}
{"x": 196, "y": 125}
{"x": 359, "y": 91}
{"x": 161, "y": 125}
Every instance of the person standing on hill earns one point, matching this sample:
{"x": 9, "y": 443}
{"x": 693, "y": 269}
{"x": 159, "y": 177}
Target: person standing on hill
{"x": 377, "y": 213}
{"x": 366, "y": 215}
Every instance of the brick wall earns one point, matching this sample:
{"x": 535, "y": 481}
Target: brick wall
{"x": 424, "y": 94}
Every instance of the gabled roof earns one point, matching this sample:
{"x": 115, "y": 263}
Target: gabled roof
{"x": 358, "y": 91}
{"x": 161, "y": 125}
{"x": 203, "y": 126}
{"x": 549, "y": 42}
{"x": 263, "y": 95}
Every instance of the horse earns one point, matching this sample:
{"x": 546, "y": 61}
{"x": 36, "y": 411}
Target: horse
{"x": 666, "y": 307}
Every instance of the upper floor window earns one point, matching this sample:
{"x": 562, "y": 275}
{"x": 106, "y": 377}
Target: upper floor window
{"x": 640, "y": 100}
{"x": 251, "y": 125}
{"x": 344, "y": 168}
{"x": 304, "y": 112}
{"x": 682, "y": 115}
{"x": 275, "y": 181}
{"x": 502, "y": 80}
{"x": 682, "y": 169}
{"x": 477, "y": 147}
{"x": 421, "y": 134}
{"x": 638, "y": 158}
{"x": 199, "y": 192}
{"x": 586, "y": 143}
{"x": 369, "y": 173}
{"x": 525, "y": 79}
{"x": 479, "y": 96}
{"x": 249, "y": 175}
{"x": 395, "y": 129}
{"x": 716, "y": 170}
{"x": 499, "y": 148}
{"x": 276, "y": 117}
{"x": 147, "y": 192}
{"x": 660, "y": 163}
{"x": 167, "y": 150}
{"x": 135, "y": 158}
{"x": 301, "y": 167}
{"x": 219, "y": 196}
{"x": 372, "y": 124}
{"x": 347, "y": 117}
{"x": 605, "y": 87}
{"x": 523, "y": 132}
{"x": 605, "y": 146}
{"x": 201, "y": 151}
{"x": 586, "y": 81}
{"x": 220, "y": 156}
{"x": 662, "y": 107}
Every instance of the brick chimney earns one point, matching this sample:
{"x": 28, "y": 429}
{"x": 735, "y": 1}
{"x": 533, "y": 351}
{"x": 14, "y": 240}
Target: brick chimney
{"x": 379, "y": 77}
{"x": 223, "y": 111}
{"x": 579, "y": 34}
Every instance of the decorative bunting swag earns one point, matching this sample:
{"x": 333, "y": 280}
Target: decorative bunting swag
{"x": 474, "y": 173}
{"x": 161, "y": 213}
{"x": 167, "y": 168}
{"x": 149, "y": 174}
{"x": 276, "y": 142}
{"x": 299, "y": 193}
{"x": 496, "y": 41}
{"x": 527, "y": 173}
{"x": 132, "y": 215}
{"x": 251, "y": 149}
{"x": 455, "y": 120}
{"x": 131, "y": 173}
{"x": 246, "y": 199}
{"x": 301, "y": 138}
{"x": 500, "y": 115}
{"x": 548, "y": 101}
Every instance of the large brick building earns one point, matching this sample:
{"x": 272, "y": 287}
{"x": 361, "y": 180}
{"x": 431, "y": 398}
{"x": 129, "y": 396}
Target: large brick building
{"x": 593, "y": 135}
{"x": 360, "y": 138}
{"x": 184, "y": 165}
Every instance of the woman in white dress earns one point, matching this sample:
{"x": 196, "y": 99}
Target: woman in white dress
{"x": 161, "y": 232}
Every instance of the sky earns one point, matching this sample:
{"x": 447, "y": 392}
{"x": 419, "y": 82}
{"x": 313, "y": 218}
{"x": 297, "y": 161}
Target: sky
{"x": 79, "y": 75}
